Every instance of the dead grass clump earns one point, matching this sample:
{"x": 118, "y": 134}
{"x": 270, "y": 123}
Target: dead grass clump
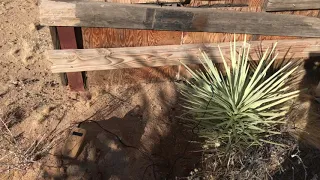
{"x": 19, "y": 153}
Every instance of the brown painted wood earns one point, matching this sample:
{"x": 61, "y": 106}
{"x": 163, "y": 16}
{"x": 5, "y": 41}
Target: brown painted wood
{"x": 155, "y": 56}
{"x": 67, "y": 40}
{"x": 56, "y": 45}
{"x": 292, "y": 5}
{"x": 116, "y": 15}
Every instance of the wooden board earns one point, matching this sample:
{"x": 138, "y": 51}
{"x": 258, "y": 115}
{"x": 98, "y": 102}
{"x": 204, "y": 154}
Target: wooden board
{"x": 115, "y": 15}
{"x": 154, "y": 56}
{"x": 207, "y": 37}
{"x": 290, "y": 5}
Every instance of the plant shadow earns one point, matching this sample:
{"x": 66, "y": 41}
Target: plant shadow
{"x": 148, "y": 142}
{"x": 303, "y": 160}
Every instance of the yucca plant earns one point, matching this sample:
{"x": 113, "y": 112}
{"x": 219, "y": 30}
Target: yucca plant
{"x": 241, "y": 106}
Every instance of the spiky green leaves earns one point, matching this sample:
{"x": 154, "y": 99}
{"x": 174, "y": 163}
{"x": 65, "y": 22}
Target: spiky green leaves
{"x": 242, "y": 106}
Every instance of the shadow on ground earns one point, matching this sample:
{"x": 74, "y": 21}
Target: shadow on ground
{"x": 303, "y": 162}
{"x": 153, "y": 142}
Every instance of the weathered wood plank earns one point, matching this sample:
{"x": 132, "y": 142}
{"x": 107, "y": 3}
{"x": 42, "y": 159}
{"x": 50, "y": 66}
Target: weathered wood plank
{"x": 291, "y": 5}
{"x": 101, "y": 14}
{"x": 207, "y": 37}
{"x": 155, "y": 56}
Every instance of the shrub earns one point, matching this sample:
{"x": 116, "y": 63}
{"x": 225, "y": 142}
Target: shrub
{"x": 240, "y": 107}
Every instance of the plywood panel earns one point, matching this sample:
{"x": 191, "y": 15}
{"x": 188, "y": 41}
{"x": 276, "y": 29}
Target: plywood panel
{"x": 219, "y": 3}
{"x": 256, "y": 3}
{"x": 111, "y": 38}
{"x": 204, "y": 37}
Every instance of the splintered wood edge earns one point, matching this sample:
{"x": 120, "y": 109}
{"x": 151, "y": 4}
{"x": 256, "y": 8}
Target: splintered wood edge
{"x": 75, "y": 60}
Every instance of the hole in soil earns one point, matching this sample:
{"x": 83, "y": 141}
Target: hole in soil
{"x": 14, "y": 116}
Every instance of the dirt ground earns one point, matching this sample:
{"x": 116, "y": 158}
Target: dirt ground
{"x": 34, "y": 103}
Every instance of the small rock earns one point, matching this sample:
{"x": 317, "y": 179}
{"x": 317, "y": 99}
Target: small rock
{"x": 91, "y": 155}
{"x": 73, "y": 96}
{"x": 46, "y": 110}
{"x": 114, "y": 177}
{"x": 32, "y": 27}
{"x": 40, "y": 117}
{"x": 75, "y": 170}
{"x": 3, "y": 89}
{"x": 315, "y": 177}
{"x": 85, "y": 96}
{"x": 88, "y": 104}
{"x": 14, "y": 82}
{"x": 317, "y": 90}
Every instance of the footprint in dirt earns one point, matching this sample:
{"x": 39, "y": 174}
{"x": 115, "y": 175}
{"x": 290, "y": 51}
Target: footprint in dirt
{"x": 24, "y": 54}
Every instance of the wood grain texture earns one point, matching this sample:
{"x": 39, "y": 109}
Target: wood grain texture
{"x": 221, "y": 3}
{"x": 256, "y": 3}
{"x": 111, "y": 38}
{"x": 67, "y": 40}
{"x": 204, "y": 37}
{"x": 154, "y": 56}
{"x": 207, "y": 37}
{"x": 115, "y": 15}
{"x": 292, "y": 5}
{"x": 309, "y": 13}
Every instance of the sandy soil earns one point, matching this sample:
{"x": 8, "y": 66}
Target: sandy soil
{"x": 33, "y": 103}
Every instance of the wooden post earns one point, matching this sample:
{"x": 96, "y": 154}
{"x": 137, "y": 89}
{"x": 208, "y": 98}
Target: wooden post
{"x": 317, "y": 93}
{"x": 67, "y": 40}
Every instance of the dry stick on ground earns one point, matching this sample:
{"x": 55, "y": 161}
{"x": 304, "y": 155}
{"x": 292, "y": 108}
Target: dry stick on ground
{"x": 16, "y": 156}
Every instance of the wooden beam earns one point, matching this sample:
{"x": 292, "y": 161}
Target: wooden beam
{"x": 291, "y": 5}
{"x": 67, "y": 40}
{"x": 154, "y": 56}
{"x": 131, "y": 16}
